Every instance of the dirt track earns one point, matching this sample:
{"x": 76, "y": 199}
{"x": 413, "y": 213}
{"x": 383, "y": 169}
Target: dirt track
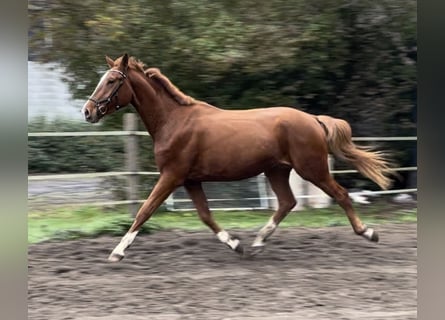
{"x": 303, "y": 274}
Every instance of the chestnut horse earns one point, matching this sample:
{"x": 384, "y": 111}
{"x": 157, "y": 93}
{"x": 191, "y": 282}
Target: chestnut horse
{"x": 196, "y": 142}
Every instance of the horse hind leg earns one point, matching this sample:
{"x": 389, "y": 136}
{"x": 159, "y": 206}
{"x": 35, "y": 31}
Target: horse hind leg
{"x": 327, "y": 183}
{"x": 279, "y": 182}
{"x": 196, "y": 193}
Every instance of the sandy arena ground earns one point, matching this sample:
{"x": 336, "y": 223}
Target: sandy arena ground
{"x": 326, "y": 273}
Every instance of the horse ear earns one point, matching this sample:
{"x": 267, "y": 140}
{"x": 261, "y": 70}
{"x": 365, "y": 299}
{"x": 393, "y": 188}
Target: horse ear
{"x": 109, "y": 61}
{"x": 124, "y": 62}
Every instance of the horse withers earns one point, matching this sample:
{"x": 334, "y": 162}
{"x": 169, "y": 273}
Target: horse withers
{"x": 196, "y": 142}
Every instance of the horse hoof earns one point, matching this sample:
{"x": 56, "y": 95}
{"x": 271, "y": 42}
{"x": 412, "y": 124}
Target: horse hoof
{"x": 371, "y": 235}
{"x": 239, "y": 249}
{"x": 115, "y": 257}
{"x": 375, "y": 237}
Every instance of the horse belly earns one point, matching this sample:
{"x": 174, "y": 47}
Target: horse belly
{"x": 235, "y": 161}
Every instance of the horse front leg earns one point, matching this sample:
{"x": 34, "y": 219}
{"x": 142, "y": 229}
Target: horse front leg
{"x": 163, "y": 188}
{"x": 199, "y": 199}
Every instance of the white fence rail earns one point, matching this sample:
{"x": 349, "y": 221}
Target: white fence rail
{"x": 149, "y": 173}
{"x": 132, "y": 175}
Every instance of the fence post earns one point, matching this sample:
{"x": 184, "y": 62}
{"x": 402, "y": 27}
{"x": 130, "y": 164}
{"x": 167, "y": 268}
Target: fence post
{"x": 131, "y": 161}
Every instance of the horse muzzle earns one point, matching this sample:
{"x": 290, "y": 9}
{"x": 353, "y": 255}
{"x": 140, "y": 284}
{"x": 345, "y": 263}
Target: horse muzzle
{"x": 92, "y": 115}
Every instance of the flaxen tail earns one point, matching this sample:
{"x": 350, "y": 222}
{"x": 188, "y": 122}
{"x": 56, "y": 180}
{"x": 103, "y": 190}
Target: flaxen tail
{"x": 372, "y": 164}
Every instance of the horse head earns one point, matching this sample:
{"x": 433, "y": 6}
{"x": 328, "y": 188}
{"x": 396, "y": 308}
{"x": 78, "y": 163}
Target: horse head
{"x": 112, "y": 92}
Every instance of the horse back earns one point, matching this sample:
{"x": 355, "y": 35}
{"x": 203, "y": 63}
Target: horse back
{"x": 224, "y": 144}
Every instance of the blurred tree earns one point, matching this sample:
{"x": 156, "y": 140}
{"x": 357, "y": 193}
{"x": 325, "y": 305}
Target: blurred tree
{"x": 72, "y": 154}
{"x": 324, "y": 56}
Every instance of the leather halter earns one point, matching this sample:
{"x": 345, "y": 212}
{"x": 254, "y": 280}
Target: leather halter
{"x": 101, "y": 105}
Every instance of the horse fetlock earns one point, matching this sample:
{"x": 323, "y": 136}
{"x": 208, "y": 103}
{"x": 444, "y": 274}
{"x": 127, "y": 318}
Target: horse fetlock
{"x": 225, "y": 238}
{"x": 126, "y": 242}
{"x": 370, "y": 234}
{"x": 267, "y": 230}
{"x": 233, "y": 243}
{"x": 119, "y": 252}
{"x": 115, "y": 257}
{"x": 259, "y": 242}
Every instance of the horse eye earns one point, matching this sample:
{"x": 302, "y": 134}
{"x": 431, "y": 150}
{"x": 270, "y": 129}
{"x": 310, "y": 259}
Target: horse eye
{"x": 111, "y": 81}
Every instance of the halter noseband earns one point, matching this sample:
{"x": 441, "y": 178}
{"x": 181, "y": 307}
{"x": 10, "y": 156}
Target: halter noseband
{"x": 101, "y": 105}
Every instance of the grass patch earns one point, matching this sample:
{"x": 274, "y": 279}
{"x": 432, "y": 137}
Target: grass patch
{"x": 70, "y": 223}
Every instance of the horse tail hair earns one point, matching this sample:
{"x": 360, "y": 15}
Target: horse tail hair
{"x": 369, "y": 162}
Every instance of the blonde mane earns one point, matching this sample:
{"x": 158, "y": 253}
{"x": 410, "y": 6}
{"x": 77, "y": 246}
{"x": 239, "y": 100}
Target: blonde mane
{"x": 177, "y": 94}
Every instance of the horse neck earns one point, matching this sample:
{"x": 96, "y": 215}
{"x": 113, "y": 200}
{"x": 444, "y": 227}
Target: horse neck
{"x": 153, "y": 107}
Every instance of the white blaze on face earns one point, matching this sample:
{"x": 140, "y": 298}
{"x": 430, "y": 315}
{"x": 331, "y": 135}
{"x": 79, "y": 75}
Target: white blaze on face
{"x": 102, "y": 79}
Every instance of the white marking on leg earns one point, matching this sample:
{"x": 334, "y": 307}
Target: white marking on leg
{"x": 264, "y": 233}
{"x": 126, "y": 241}
{"x": 224, "y": 237}
{"x": 368, "y": 233}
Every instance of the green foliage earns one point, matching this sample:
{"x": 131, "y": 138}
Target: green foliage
{"x": 69, "y": 223}
{"x": 72, "y": 154}
{"x": 355, "y": 60}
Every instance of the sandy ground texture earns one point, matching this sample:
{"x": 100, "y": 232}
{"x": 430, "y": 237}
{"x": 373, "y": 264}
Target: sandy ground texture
{"x": 325, "y": 273}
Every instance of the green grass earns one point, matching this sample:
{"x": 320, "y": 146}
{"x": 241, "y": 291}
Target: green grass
{"x": 69, "y": 223}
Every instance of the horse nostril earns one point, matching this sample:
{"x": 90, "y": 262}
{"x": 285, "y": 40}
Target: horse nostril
{"x": 87, "y": 114}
